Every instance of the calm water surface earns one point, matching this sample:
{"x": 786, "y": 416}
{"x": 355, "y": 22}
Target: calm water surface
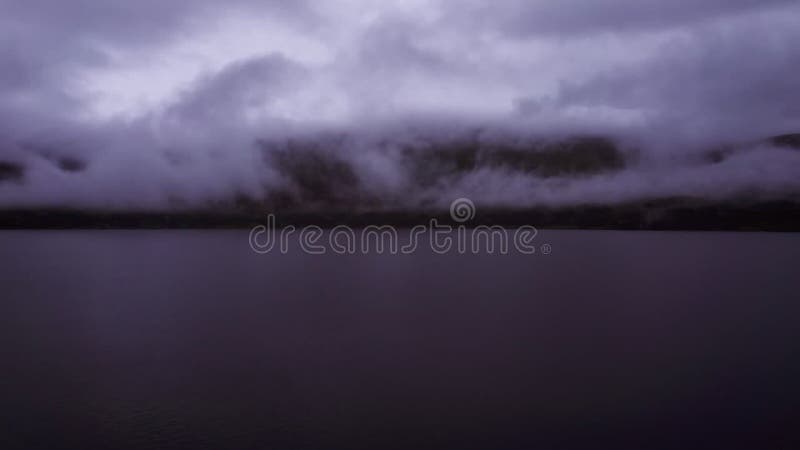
{"x": 187, "y": 339}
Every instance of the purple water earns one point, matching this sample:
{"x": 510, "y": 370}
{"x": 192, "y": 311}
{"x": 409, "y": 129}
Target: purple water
{"x": 187, "y": 339}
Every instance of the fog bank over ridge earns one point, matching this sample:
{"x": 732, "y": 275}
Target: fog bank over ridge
{"x": 361, "y": 105}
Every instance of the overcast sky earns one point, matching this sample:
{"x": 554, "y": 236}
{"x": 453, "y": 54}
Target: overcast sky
{"x": 117, "y": 84}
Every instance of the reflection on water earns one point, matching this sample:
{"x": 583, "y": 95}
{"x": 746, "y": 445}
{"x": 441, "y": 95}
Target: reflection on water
{"x": 187, "y": 339}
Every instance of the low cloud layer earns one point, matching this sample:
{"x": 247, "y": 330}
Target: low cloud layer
{"x": 398, "y": 104}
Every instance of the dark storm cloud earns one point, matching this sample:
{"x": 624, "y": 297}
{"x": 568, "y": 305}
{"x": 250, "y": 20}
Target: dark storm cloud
{"x": 406, "y": 104}
{"x": 728, "y": 84}
{"x": 227, "y": 94}
{"x": 566, "y": 18}
{"x": 43, "y": 42}
{"x": 143, "y": 21}
{"x": 389, "y": 45}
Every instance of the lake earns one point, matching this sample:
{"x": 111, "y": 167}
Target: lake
{"x": 188, "y": 339}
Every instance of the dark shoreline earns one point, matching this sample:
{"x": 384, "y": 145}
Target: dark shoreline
{"x": 783, "y": 216}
